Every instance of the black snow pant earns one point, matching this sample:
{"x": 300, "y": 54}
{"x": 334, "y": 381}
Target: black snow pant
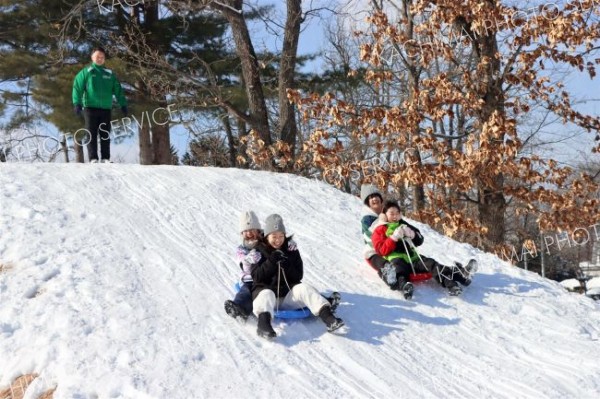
{"x": 447, "y": 276}
{"x": 377, "y": 262}
{"x": 243, "y": 298}
{"x": 97, "y": 123}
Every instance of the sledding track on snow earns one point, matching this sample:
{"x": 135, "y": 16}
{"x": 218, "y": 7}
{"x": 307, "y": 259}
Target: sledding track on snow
{"x": 120, "y": 273}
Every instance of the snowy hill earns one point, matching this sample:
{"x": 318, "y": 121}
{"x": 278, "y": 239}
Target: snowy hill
{"x": 113, "y": 280}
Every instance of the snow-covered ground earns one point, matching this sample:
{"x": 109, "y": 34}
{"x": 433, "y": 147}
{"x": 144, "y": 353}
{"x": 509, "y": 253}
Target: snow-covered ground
{"x": 113, "y": 280}
{"x": 593, "y": 286}
{"x": 594, "y": 283}
{"x": 573, "y": 283}
{"x": 570, "y": 283}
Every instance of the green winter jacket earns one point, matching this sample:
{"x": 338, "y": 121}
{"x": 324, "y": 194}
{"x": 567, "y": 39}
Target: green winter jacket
{"x": 94, "y": 87}
{"x": 391, "y": 249}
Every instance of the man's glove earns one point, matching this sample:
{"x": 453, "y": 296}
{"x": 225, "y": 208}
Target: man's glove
{"x": 124, "y": 110}
{"x": 253, "y": 257}
{"x": 408, "y": 232}
{"x": 397, "y": 234}
{"x": 78, "y": 109}
{"x": 277, "y": 256}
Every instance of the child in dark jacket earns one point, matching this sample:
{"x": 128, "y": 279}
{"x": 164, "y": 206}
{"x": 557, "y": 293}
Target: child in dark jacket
{"x": 278, "y": 282}
{"x": 373, "y": 201}
{"x": 390, "y": 240}
{"x": 247, "y": 256}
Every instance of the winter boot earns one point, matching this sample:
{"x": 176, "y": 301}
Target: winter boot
{"x": 472, "y": 266}
{"x": 265, "y": 329}
{"x": 465, "y": 272}
{"x": 461, "y": 275}
{"x": 406, "y": 287}
{"x": 453, "y": 288}
{"x": 234, "y": 310}
{"x": 332, "y": 322}
{"x": 388, "y": 274}
{"x": 334, "y": 300}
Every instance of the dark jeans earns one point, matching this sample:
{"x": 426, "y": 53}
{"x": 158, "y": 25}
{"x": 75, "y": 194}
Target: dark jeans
{"x": 377, "y": 262}
{"x": 445, "y": 275}
{"x": 97, "y": 123}
{"x": 243, "y": 298}
{"x": 403, "y": 268}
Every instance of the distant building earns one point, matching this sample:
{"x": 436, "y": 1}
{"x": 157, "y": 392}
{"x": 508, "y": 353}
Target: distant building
{"x": 592, "y": 268}
{"x": 596, "y": 253}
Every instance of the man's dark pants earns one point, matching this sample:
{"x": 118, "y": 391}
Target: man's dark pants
{"x": 97, "y": 123}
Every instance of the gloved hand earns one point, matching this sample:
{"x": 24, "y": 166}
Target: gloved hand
{"x": 277, "y": 256}
{"x": 397, "y": 234}
{"x": 124, "y": 110}
{"x": 253, "y": 257}
{"x": 408, "y": 232}
{"x": 78, "y": 108}
{"x": 292, "y": 246}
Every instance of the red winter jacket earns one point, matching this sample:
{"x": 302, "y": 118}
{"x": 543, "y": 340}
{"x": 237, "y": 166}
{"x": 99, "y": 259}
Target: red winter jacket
{"x": 384, "y": 245}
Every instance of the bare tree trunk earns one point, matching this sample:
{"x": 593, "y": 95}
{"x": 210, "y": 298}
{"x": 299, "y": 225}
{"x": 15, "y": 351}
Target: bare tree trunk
{"x": 414, "y": 72}
{"x": 418, "y": 195}
{"x": 65, "y": 148}
{"x": 146, "y": 153}
{"x": 241, "y": 127}
{"x": 492, "y": 203}
{"x": 78, "y": 150}
{"x": 288, "y": 130}
{"x": 492, "y": 206}
{"x": 161, "y": 145}
{"x": 418, "y": 199}
{"x": 230, "y": 139}
{"x": 259, "y": 120}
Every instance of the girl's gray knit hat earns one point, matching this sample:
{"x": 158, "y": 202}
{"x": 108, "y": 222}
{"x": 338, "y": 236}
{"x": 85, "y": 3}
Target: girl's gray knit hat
{"x": 273, "y": 223}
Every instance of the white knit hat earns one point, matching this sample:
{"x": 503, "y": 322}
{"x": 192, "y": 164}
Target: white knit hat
{"x": 366, "y": 190}
{"x": 249, "y": 221}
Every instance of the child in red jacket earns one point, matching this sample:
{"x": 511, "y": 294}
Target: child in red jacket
{"x": 390, "y": 240}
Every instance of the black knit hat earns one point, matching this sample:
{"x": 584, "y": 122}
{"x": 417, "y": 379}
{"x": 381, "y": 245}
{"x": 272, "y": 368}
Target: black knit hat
{"x": 100, "y": 49}
{"x": 391, "y": 204}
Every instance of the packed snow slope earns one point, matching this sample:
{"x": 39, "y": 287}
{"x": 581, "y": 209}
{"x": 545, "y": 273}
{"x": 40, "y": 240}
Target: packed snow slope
{"x": 114, "y": 276}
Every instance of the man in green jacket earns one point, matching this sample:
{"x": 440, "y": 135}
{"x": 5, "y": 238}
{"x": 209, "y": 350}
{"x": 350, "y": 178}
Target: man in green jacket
{"x": 93, "y": 90}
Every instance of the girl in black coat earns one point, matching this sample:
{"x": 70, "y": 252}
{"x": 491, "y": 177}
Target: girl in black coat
{"x": 278, "y": 282}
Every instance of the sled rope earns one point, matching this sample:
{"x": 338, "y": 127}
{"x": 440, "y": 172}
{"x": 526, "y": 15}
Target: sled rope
{"x": 409, "y": 257}
{"x": 279, "y": 274}
{"x": 412, "y": 245}
{"x": 278, "y": 280}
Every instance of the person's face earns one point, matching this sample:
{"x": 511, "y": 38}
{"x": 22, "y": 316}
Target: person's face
{"x": 98, "y": 57}
{"x": 276, "y": 239}
{"x": 375, "y": 204}
{"x": 393, "y": 215}
{"x": 251, "y": 235}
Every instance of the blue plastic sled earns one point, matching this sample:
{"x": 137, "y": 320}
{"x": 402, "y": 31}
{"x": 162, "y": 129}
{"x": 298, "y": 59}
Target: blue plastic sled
{"x": 286, "y": 314}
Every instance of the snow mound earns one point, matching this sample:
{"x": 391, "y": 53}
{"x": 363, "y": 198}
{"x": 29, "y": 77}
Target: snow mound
{"x": 114, "y": 278}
